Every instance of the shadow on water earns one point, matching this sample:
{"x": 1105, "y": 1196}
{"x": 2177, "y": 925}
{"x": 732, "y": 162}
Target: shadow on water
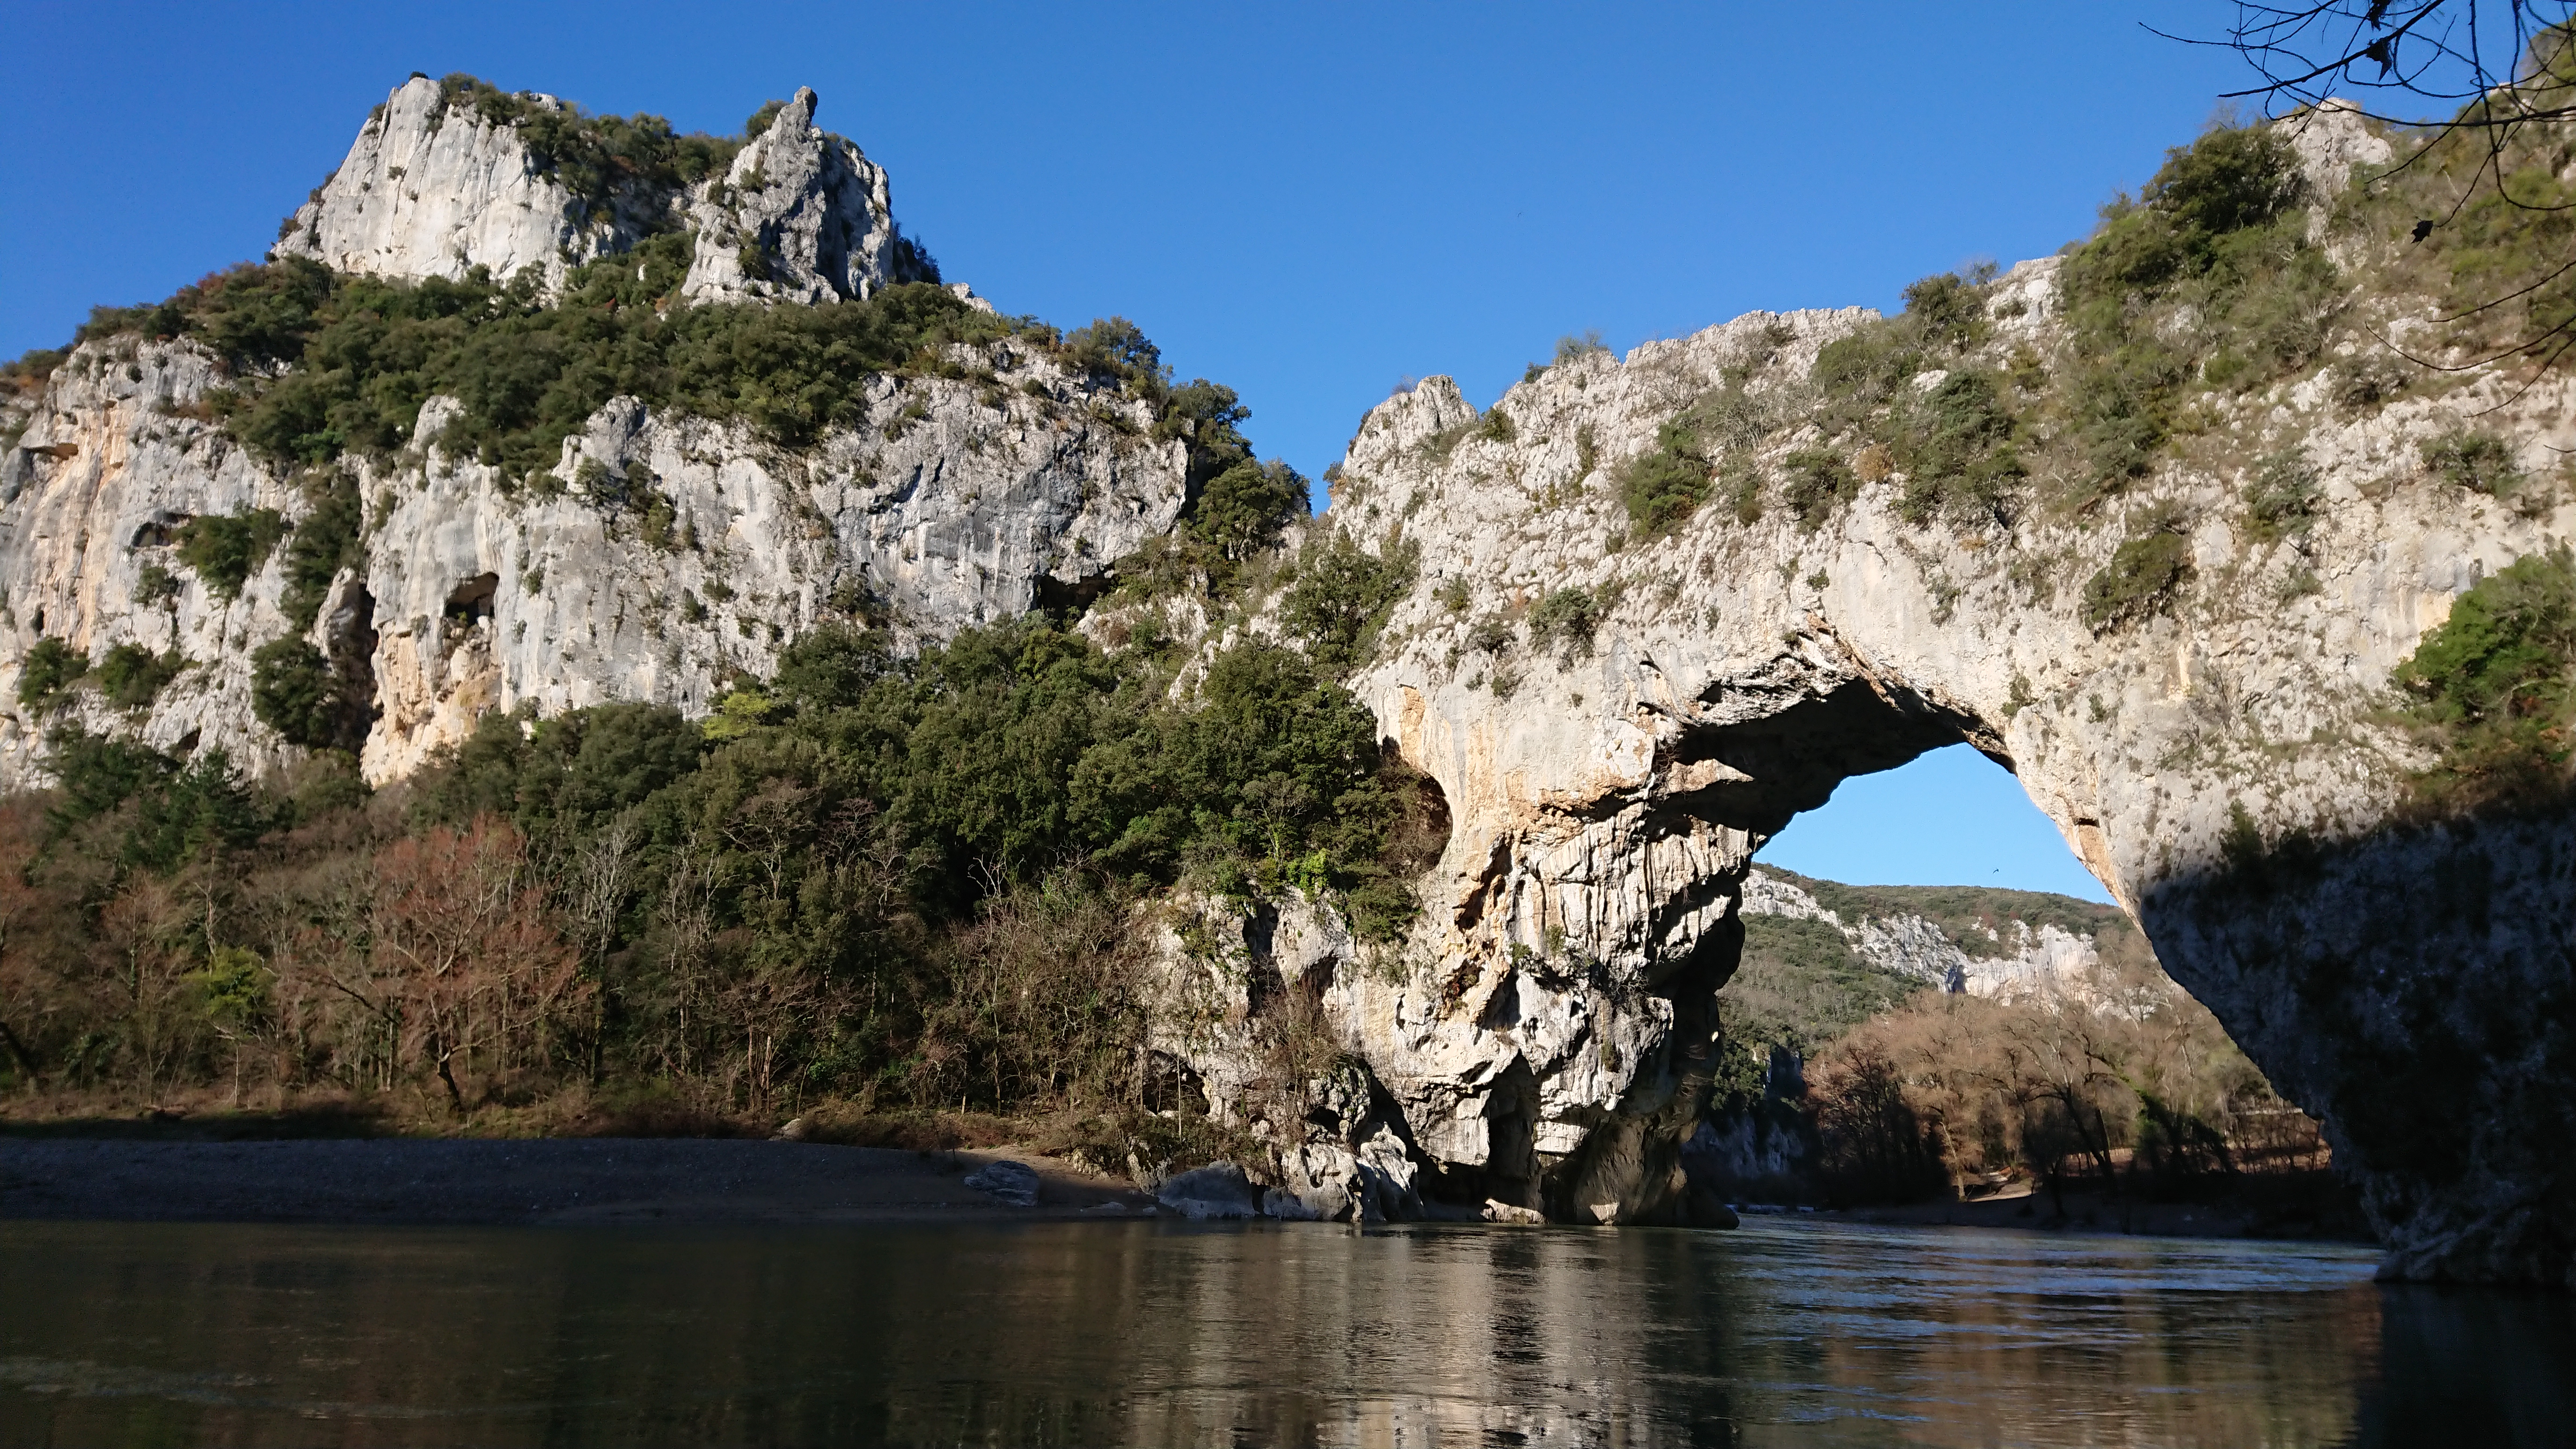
{"x": 1152, "y": 1333}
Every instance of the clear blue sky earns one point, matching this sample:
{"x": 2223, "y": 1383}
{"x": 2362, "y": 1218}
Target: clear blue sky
{"x": 1306, "y": 202}
{"x": 1952, "y": 817}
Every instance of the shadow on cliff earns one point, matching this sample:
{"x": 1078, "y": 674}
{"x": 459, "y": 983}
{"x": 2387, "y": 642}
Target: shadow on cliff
{"x": 2415, "y": 987}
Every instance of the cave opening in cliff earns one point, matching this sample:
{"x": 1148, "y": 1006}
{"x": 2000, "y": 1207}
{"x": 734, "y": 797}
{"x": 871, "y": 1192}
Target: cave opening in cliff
{"x": 470, "y": 602}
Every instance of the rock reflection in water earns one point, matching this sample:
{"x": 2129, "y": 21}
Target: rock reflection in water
{"x": 1787, "y": 1334}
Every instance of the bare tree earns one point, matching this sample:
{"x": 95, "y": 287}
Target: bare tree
{"x": 434, "y": 955}
{"x": 603, "y": 876}
{"x": 2478, "y": 78}
{"x": 22, "y": 908}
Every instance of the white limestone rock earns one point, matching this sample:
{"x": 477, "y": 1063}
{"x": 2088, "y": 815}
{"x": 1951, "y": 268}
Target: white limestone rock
{"x": 802, "y": 216}
{"x": 431, "y": 189}
{"x": 1543, "y": 1028}
{"x": 2333, "y": 140}
{"x": 676, "y": 553}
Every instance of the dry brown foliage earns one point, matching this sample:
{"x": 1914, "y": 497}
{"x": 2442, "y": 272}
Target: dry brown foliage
{"x": 2117, "y": 1076}
{"x": 439, "y": 957}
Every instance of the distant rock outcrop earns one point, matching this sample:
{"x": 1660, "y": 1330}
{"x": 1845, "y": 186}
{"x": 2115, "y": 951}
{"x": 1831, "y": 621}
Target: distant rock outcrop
{"x": 436, "y": 185}
{"x": 663, "y": 556}
{"x": 2016, "y": 958}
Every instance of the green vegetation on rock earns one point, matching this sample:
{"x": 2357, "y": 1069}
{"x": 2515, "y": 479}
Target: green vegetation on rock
{"x": 2282, "y": 497}
{"x": 2493, "y": 683}
{"x": 225, "y": 549}
{"x": 329, "y": 538}
{"x": 2142, "y": 576}
{"x": 294, "y": 692}
{"x": 1566, "y": 618}
{"x": 49, "y": 668}
{"x": 597, "y": 156}
{"x": 1664, "y": 486}
{"x": 1342, "y": 595}
{"x": 354, "y": 358}
{"x": 131, "y": 676}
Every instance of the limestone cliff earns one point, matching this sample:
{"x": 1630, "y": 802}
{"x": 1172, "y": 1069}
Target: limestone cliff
{"x": 674, "y": 554}
{"x": 432, "y": 188}
{"x": 801, "y": 216}
{"x": 662, "y": 556}
{"x": 2010, "y": 956}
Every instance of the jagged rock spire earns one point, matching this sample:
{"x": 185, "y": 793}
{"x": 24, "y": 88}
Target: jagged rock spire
{"x": 801, "y": 216}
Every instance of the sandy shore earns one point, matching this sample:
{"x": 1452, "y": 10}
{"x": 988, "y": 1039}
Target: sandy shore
{"x": 574, "y": 1180}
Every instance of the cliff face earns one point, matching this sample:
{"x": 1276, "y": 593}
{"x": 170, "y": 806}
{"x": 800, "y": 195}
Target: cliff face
{"x": 801, "y": 216}
{"x": 2014, "y": 956}
{"x": 674, "y": 554}
{"x": 433, "y": 190}
{"x": 662, "y": 557}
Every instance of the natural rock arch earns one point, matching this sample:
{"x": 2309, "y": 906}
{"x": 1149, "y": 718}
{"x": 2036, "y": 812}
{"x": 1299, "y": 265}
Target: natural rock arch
{"x": 1611, "y": 795}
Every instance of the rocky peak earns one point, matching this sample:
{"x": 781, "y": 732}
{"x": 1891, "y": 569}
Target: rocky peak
{"x": 433, "y": 187}
{"x": 448, "y": 176}
{"x": 2332, "y": 140}
{"x": 802, "y": 216}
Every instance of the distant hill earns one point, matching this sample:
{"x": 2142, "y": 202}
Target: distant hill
{"x": 1821, "y": 957}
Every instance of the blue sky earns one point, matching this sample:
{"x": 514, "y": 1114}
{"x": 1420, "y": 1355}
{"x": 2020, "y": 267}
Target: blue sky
{"x": 1305, "y": 202}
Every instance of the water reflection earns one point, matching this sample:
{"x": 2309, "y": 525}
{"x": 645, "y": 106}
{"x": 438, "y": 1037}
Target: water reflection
{"x": 1785, "y": 1334}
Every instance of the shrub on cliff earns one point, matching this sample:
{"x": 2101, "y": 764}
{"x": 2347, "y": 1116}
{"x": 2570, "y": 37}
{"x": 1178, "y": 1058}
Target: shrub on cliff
{"x": 329, "y": 539}
{"x": 2477, "y": 461}
{"x": 2139, "y": 581}
{"x": 27, "y": 373}
{"x": 2206, "y": 195}
{"x": 1566, "y": 619}
{"x": 225, "y": 549}
{"x": 294, "y": 692}
{"x": 132, "y": 676}
{"x": 1662, "y": 487}
{"x": 1946, "y": 309}
{"x": 1244, "y": 508}
{"x": 1342, "y": 596}
{"x": 1956, "y": 446}
{"x": 1819, "y": 481}
{"x": 49, "y": 668}
{"x": 2492, "y": 685}
{"x": 595, "y": 156}
{"x": 2208, "y": 276}
{"x": 2282, "y": 497}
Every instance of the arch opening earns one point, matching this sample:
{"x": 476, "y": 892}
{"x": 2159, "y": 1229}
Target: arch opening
{"x": 1935, "y": 1002}
{"x": 1947, "y": 817}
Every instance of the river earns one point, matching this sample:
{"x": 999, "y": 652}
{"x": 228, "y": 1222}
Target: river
{"x": 1794, "y": 1332}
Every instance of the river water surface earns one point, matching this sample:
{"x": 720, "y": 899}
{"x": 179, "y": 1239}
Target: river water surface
{"x": 1786, "y": 1333}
